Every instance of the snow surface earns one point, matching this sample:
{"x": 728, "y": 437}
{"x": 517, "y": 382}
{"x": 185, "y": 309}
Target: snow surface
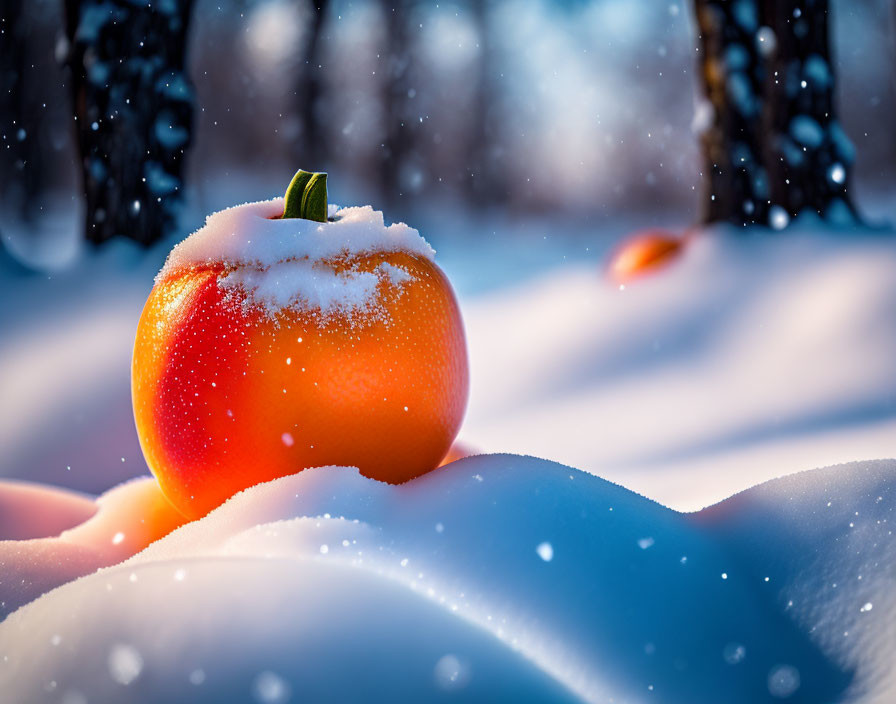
{"x": 49, "y": 536}
{"x": 495, "y": 577}
{"x": 747, "y": 357}
{"x": 39, "y": 511}
{"x": 282, "y": 263}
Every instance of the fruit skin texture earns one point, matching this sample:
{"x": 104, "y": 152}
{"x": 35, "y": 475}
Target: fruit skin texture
{"x": 226, "y": 396}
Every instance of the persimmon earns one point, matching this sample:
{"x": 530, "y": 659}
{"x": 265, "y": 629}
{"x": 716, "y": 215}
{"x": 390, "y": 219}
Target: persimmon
{"x": 276, "y": 339}
{"x": 642, "y": 253}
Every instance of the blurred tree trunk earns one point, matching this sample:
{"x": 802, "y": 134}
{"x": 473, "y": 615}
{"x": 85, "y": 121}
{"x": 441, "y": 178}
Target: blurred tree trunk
{"x": 732, "y": 79}
{"x": 133, "y": 107}
{"x": 313, "y": 140}
{"x": 808, "y": 155}
{"x": 772, "y": 148}
{"x": 486, "y": 183}
{"x": 398, "y": 131}
{"x": 22, "y": 154}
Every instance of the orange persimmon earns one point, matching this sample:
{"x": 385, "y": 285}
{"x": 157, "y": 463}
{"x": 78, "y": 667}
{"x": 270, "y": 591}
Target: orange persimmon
{"x": 228, "y": 394}
{"x": 642, "y": 253}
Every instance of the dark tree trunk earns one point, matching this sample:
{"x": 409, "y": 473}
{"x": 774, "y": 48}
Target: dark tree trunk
{"x": 133, "y": 106}
{"x": 773, "y": 148}
{"x": 313, "y": 142}
{"x": 399, "y": 128}
{"x": 486, "y": 183}
{"x": 22, "y": 154}
{"x": 731, "y": 71}
{"x": 809, "y": 157}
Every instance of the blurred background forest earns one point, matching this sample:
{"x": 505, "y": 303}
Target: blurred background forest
{"x": 583, "y": 110}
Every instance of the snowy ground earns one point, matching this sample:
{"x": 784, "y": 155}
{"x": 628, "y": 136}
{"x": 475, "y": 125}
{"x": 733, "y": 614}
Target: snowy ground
{"x": 494, "y": 578}
{"x": 749, "y": 358}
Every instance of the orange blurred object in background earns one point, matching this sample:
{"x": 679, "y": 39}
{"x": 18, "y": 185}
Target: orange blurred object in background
{"x": 226, "y": 396}
{"x": 644, "y": 252}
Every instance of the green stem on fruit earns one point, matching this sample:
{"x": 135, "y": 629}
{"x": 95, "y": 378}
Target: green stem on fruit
{"x": 306, "y": 197}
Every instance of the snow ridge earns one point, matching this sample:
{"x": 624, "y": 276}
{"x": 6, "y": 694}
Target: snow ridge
{"x": 497, "y": 577}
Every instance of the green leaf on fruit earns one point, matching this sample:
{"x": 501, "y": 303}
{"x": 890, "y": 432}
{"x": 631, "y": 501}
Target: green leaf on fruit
{"x": 306, "y": 197}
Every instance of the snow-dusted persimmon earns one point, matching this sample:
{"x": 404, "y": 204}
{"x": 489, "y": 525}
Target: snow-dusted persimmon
{"x": 277, "y": 339}
{"x": 644, "y": 252}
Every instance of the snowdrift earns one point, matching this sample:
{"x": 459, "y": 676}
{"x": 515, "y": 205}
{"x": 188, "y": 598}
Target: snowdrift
{"x": 496, "y": 577}
{"x": 749, "y": 353}
{"x": 50, "y": 536}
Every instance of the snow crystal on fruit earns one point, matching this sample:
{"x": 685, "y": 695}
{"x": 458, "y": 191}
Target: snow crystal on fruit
{"x": 254, "y": 234}
{"x": 285, "y": 263}
{"x": 303, "y": 284}
{"x": 396, "y": 275}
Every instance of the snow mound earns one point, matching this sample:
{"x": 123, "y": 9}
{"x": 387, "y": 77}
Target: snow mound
{"x": 280, "y": 263}
{"x": 35, "y": 511}
{"x": 94, "y": 533}
{"x": 493, "y": 578}
{"x": 837, "y": 573}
